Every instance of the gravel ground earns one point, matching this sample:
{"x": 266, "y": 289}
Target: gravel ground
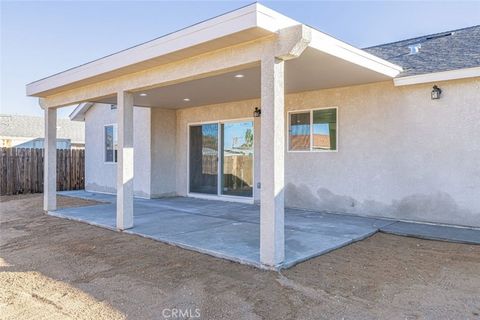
{"x": 51, "y": 268}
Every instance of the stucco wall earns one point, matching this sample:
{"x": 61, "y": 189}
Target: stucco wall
{"x": 400, "y": 154}
{"x": 101, "y": 176}
{"x": 163, "y": 152}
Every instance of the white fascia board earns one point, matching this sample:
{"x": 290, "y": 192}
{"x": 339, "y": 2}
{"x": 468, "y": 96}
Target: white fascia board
{"x": 438, "y": 76}
{"x": 272, "y": 20}
{"x": 328, "y": 44}
{"x": 78, "y": 114}
{"x": 249, "y": 17}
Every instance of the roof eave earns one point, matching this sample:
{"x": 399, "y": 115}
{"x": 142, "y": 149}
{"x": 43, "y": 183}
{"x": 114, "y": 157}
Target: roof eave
{"x": 78, "y": 114}
{"x": 340, "y": 49}
{"x": 245, "y": 24}
{"x": 438, "y": 76}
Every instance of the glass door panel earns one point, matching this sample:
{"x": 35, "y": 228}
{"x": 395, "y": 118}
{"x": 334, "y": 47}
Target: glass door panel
{"x": 237, "y": 158}
{"x": 204, "y": 158}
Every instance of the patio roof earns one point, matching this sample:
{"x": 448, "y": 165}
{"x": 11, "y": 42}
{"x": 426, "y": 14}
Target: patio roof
{"x": 326, "y": 63}
{"x": 242, "y": 25}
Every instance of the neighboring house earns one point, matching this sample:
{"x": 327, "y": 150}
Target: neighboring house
{"x": 363, "y": 132}
{"x": 18, "y": 131}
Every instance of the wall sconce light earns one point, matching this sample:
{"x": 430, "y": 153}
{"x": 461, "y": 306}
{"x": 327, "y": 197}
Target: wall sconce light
{"x": 436, "y": 92}
{"x": 257, "y": 112}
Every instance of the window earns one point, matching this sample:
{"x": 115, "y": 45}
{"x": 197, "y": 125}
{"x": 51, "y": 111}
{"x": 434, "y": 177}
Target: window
{"x": 313, "y": 130}
{"x": 111, "y": 143}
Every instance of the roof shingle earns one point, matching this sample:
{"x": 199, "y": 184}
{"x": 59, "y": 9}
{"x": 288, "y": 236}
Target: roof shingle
{"x": 33, "y": 127}
{"x": 450, "y": 50}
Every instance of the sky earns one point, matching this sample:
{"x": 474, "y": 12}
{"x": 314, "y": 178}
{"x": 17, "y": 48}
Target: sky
{"x": 40, "y": 38}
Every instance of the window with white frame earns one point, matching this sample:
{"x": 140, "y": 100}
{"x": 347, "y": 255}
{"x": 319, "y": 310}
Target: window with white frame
{"x": 313, "y": 130}
{"x": 111, "y": 143}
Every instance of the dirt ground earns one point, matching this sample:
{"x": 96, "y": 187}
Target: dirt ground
{"x": 52, "y": 268}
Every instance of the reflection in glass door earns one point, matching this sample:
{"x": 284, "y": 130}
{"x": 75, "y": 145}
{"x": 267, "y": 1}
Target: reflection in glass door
{"x": 237, "y": 158}
{"x": 204, "y": 158}
{"x": 234, "y": 172}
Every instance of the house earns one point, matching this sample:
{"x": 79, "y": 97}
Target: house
{"x": 253, "y": 106}
{"x": 18, "y": 131}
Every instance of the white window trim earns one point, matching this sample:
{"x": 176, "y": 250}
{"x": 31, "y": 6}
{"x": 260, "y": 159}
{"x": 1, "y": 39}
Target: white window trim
{"x": 114, "y": 125}
{"x": 311, "y": 130}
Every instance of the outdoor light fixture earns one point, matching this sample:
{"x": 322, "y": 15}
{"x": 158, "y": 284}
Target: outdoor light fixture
{"x": 143, "y": 94}
{"x": 257, "y": 112}
{"x": 186, "y": 99}
{"x": 239, "y": 76}
{"x": 436, "y": 92}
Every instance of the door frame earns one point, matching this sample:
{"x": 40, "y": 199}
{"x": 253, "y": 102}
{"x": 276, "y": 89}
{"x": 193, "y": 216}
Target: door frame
{"x": 219, "y": 195}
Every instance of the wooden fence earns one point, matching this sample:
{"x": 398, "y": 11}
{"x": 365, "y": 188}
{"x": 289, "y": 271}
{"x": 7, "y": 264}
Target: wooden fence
{"x": 21, "y": 170}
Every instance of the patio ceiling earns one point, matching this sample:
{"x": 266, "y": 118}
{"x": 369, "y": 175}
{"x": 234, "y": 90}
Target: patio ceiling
{"x": 313, "y": 70}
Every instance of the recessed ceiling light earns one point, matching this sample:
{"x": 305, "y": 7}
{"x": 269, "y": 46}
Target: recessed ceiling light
{"x": 186, "y": 99}
{"x": 143, "y": 94}
{"x": 239, "y": 76}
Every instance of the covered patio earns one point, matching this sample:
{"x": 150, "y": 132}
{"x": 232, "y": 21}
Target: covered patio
{"x": 199, "y": 66}
{"x": 226, "y": 230}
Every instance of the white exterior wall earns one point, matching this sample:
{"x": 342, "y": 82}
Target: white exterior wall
{"x": 400, "y": 154}
{"x": 163, "y": 152}
{"x": 101, "y": 176}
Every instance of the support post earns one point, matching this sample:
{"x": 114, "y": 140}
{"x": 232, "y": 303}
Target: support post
{"x": 272, "y": 238}
{"x": 50, "y": 160}
{"x": 125, "y": 160}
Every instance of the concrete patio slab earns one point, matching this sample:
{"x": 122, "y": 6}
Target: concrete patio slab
{"x": 231, "y": 230}
{"x": 434, "y": 232}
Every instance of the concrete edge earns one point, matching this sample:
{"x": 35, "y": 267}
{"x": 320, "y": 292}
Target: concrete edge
{"x": 317, "y": 254}
{"x": 211, "y": 253}
{"x": 168, "y": 242}
{"x": 426, "y": 237}
{"x": 59, "y": 215}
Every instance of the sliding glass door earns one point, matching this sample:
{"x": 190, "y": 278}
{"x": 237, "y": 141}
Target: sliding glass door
{"x": 221, "y": 154}
{"x": 237, "y": 158}
{"x": 203, "y": 166}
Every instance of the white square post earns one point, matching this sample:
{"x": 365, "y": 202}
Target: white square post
{"x": 50, "y": 160}
{"x": 125, "y": 160}
{"x": 272, "y": 238}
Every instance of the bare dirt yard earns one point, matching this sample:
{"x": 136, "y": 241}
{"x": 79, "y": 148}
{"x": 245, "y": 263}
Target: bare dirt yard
{"x": 51, "y": 268}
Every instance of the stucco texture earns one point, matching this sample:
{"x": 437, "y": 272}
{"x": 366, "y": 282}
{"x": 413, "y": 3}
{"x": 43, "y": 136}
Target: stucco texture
{"x": 400, "y": 154}
{"x": 163, "y": 152}
{"x": 101, "y": 176}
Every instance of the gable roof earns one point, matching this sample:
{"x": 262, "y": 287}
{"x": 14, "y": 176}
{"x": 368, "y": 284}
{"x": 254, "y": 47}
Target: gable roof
{"x": 444, "y": 51}
{"x": 34, "y": 127}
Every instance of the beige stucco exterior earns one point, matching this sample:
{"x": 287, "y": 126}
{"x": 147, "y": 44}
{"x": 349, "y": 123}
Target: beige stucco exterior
{"x": 100, "y": 176}
{"x": 400, "y": 154}
{"x": 164, "y": 144}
